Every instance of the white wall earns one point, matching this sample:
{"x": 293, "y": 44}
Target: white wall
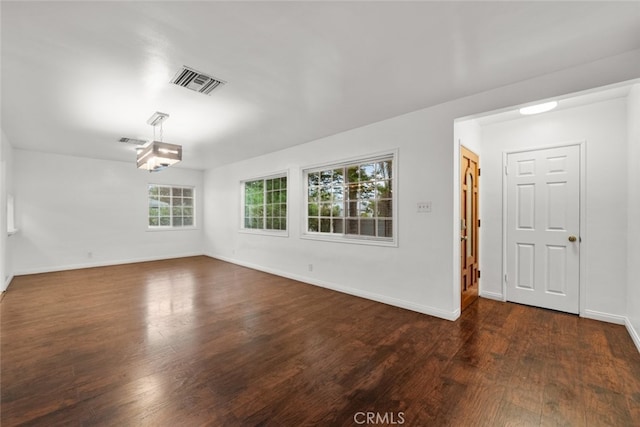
{"x": 633, "y": 247}
{"x": 69, "y": 206}
{"x": 469, "y": 134}
{"x": 420, "y": 273}
{"x": 603, "y": 126}
{"x": 6, "y": 187}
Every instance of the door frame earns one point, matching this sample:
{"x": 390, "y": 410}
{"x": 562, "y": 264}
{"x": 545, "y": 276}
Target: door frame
{"x": 582, "y": 273}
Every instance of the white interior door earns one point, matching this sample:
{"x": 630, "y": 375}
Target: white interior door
{"x": 543, "y": 225}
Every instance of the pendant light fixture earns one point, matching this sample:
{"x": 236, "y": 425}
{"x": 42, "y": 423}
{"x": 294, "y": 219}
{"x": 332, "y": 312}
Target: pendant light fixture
{"x": 157, "y": 155}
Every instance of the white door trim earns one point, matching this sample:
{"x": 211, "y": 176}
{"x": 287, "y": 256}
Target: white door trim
{"x": 582, "y": 144}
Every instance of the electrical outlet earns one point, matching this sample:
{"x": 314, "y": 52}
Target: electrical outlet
{"x": 424, "y": 207}
{"x": 89, "y": 254}
{"x": 310, "y": 267}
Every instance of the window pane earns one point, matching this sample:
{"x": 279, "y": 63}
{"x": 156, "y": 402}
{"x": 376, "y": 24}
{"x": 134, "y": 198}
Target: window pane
{"x": 154, "y": 222}
{"x": 187, "y": 220}
{"x": 153, "y": 211}
{"x": 352, "y": 226}
{"x": 352, "y": 209}
{"x": 338, "y": 226}
{"x": 269, "y": 223}
{"x": 337, "y": 209}
{"x": 326, "y": 177}
{"x": 385, "y": 169}
{"x": 187, "y": 202}
{"x": 176, "y": 192}
{"x": 325, "y": 209}
{"x": 314, "y": 194}
{"x": 177, "y": 222}
{"x": 384, "y": 209}
{"x": 325, "y": 193}
{"x": 153, "y": 190}
{"x": 338, "y": 193}
{"x": 283, "y": 223}
{"x": 325, "y": 225}
{"x": 165, "y": 211}
{"x": 165, "y": 201}
{"x": 177, "y": 201}
{"x": 352, "y": 192}
{"x": 165, "y": 191}
{"x": 283, "y": 210}
{"x": 353, "y": 174}
{"x": 187, "y": 192}
{"x": 366, "y": 209}
{"x": 177, "y": 211}
{"x": 313, "y": 224}
{"x": 313, "y": 178}
{"x": 165, "y": 220}
{"x": 338, "y": 176}
{"x": 385, "y": 228}
{"x": 313, "y": 209}
{"x": 187, "y": 211}
{"x": 367, "y": 227}
{"x": 367, "y": 172}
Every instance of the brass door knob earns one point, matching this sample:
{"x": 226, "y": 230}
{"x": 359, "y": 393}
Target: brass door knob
{"x": 463, "y": 238}
{"x": 572, "y": 238}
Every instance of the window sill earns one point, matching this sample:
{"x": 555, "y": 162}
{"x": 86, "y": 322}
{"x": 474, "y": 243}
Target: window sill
{"x": 392, "y": 243}
{"x": 274, "y": 233}
{"x": 154, "y": 229}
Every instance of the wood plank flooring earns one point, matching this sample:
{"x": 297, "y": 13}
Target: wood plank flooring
{"x": 197, "y": 341}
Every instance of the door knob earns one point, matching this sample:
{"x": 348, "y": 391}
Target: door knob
{"x": 572, "y": 238}
{"x": 463, "y": 238}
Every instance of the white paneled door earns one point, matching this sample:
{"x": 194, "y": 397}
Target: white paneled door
{"x": 543, "y": 225}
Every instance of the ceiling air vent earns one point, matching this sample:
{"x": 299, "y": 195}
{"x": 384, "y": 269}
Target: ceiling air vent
{"x": 195, "y": 80}
{"x": 133, "y": 141}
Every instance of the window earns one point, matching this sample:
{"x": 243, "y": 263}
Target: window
{"x": 265, "y": 204}
{"x": 351, "y": 200}
{"x": 171, "y": 207}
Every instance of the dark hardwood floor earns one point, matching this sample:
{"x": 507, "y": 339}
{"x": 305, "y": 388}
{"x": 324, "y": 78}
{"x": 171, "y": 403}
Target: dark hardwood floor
{"x": 197, "y": 341}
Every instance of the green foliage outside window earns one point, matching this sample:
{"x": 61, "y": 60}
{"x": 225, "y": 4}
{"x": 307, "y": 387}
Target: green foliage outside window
{"x": 352, "y": 200}
{"x": 171, "y": 206}
{"x": 265, "y": 204}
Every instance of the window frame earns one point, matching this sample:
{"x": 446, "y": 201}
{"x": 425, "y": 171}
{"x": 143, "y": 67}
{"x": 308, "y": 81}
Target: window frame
{"x": 263, "y": 230}
{"x": 173, "y": 227}
{"x": 344, "y": 237}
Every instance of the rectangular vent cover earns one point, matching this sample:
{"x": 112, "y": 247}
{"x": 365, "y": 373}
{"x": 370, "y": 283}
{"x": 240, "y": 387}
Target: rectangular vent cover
{"x": 195, "y": 80}
{"x": 133, "y": 141}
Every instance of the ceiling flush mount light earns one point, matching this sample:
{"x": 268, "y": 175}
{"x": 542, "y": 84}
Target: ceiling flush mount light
{"x": 540, "y": 108}
{"x": 157, "y": 155}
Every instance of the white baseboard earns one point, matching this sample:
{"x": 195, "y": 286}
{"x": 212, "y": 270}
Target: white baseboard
{"x": 635, "y": 335}
{"x": 603, "y": 317}
{"x": 492, "y": 295}
{"x": 431, "y": 311}
{"x": 8, "y": 282}
{"x": 102, "y": 263}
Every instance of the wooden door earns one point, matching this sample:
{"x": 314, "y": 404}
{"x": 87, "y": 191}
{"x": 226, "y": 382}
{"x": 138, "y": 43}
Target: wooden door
{"x": 543, "y": 225}
{"x": 469, "y": 226}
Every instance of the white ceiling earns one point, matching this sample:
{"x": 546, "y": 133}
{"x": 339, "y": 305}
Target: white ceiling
{"x": 77, "y": 76}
